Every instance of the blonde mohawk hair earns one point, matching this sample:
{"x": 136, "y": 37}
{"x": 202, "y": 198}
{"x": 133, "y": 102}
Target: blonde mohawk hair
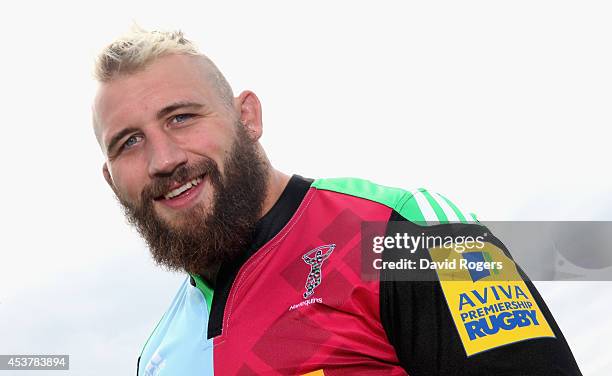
{"x": 136, "y": 49}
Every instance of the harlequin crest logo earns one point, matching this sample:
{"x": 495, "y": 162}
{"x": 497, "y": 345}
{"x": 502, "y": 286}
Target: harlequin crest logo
{"x": 315, "y": 258}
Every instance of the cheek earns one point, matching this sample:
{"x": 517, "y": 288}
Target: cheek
{"x": 213, "y": 145}
{"x": 129, "y": 180}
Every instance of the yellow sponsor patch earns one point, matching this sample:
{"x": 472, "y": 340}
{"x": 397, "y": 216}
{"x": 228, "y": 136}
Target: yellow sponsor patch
{"x": 488, "y": 300}
{"x": 314, "y": 373}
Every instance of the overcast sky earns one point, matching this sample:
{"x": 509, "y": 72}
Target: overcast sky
{"x": 504, "y": 107}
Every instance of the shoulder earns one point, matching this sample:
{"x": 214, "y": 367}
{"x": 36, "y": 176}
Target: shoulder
{"x": 417, "y": 204}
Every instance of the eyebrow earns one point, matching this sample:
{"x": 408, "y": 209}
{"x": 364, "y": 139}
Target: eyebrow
{"x": 160, "y": 115}
{"x": 117, "y": 137}
{"x": 175, "y": 106}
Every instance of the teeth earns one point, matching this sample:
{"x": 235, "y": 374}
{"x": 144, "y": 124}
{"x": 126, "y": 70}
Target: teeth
{"x": 177, "y": 191}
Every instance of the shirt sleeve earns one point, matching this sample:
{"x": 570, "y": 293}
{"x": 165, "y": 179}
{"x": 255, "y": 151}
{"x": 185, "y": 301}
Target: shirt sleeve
{"x": 475, "y": 325}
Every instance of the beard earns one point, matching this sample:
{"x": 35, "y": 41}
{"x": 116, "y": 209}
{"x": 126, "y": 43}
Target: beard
{"x": 201, "y": 240}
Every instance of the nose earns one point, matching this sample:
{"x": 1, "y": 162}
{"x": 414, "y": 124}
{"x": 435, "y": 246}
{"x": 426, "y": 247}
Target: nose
{"x": 164, "y": 155}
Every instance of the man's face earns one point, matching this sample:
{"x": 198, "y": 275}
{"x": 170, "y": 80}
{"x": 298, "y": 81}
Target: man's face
{"x": 156, "y": 120}
{"x": 187, "y": 174}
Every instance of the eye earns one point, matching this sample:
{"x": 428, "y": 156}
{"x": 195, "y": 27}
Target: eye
{"x": 131, "y": 141}
{"x": 181, "y": 118}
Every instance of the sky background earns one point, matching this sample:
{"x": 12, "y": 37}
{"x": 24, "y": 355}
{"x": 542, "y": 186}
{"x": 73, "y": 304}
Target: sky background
{"x": 504, "y": 107}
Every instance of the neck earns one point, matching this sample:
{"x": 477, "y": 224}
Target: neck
{"x": 277, "y": 181}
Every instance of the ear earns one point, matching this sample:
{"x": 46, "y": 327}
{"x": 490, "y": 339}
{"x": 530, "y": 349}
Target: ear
{"x": 249, "y": 109}
{"x": 107, "y": 176}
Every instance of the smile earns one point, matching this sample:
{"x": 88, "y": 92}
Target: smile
{"x": 184, "y": 196}
{"x": 183, "y": 188}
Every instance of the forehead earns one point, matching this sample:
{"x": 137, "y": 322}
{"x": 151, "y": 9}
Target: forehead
{"x": 134, "y": 99}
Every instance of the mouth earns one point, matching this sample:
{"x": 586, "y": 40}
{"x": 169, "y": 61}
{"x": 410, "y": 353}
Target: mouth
{"x": 183, "y": 195}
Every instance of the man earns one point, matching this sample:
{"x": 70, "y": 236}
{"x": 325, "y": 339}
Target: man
{"x": 276, "y": 278}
